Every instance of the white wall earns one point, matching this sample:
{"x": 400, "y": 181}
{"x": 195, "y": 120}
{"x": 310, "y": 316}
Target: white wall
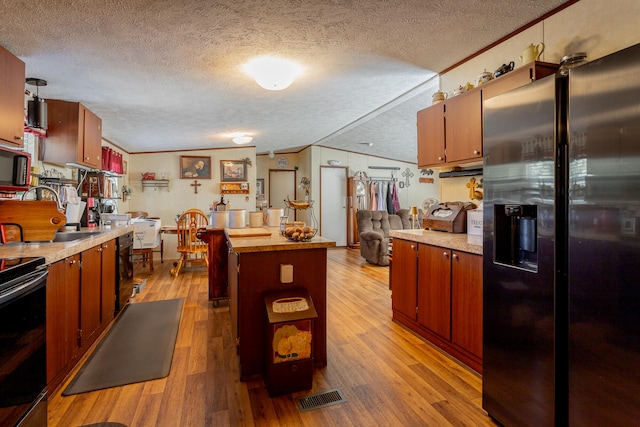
{"x": 166, "y": 203}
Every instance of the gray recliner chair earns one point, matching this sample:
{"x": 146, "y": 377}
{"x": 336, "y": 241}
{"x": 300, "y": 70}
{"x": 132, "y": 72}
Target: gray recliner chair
{"x": 373, "y": 228}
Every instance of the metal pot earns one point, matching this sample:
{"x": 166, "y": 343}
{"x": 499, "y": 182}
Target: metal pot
{"x": 237, "y": 218}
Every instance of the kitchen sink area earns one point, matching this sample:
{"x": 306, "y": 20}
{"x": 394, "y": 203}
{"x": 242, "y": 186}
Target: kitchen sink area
{"x": 70, "y": 236}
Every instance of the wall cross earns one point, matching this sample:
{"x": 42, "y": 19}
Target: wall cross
{"x": 195, "y": 186}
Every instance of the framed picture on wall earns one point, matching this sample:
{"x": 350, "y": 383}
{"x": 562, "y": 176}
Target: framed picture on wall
{"x": 198, "y": 167}
{"x": 259, "y": 187}
{"x": 233, "y": 170}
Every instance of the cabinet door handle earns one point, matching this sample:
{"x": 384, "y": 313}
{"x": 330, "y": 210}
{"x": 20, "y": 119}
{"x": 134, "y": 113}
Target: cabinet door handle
{"x": 18, "y": 138}
{"x": 99, "y": 249}
{"x": 72, "y": 262}
{"x": 476, "y": 152}
{"x": 445, "y": 254}
{"x": 440, "y": 158}
{"x": 455, "y": 256}
{"x": 413, "y": 246}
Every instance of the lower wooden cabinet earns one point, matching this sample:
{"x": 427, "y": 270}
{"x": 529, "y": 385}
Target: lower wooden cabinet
{"x": 80, "y": 305}
{"x": 437, "y": 293}
{"x": 63, "y": 318}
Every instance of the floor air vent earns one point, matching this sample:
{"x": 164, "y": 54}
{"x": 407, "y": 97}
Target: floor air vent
{"x": 320, "y": 400}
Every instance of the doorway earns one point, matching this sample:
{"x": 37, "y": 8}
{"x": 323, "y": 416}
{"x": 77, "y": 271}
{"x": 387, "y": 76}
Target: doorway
{"x": 282, "y": 184}
{"x": 333, "y": 204}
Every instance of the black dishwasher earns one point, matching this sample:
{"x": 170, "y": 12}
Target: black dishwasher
{"x": 124, "y": 288}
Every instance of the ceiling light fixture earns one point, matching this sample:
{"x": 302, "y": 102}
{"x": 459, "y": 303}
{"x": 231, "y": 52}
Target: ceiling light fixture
{"x": 242, "y": 139}
{"x": 273, "y": 73}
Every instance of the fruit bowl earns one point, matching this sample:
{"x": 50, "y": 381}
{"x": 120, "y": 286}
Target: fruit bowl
{"x": 299, "y": 234}
{"x": 299, "y": 204}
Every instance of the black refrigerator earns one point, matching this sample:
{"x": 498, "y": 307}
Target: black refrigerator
{"x": 561, "y": 269}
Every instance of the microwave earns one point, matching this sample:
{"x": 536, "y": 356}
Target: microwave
{"x": 15, "y": 170}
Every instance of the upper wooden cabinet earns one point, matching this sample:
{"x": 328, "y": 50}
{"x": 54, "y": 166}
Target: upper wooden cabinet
{"x": 74, "y": 135}
{"x": 450, "y": 133}
{"x": 431, "y": 142}
{"x": 12, "y": 78}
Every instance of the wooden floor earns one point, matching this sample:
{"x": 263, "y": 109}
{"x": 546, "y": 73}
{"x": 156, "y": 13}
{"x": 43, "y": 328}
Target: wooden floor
{"x": 389, "y": 376}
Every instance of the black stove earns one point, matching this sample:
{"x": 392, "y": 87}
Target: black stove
{"x": 23, "y": 397}
{"x": 13, "y": 267}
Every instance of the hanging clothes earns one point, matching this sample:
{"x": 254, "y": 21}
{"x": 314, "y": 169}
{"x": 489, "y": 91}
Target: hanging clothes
{"x": 394, "y": 197}
{"x": 382, "y": 197}
{"x": 373, "y": 203}
{"x": 390, "y": 206}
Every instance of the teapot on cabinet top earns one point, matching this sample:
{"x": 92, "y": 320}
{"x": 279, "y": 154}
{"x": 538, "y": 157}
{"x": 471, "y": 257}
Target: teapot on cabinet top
{"x": 532, "y": 53}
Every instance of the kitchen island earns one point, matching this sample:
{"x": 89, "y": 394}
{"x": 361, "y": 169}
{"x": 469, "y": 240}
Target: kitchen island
{"x": 436, "y": 288}
{"x": 263, "y": 264}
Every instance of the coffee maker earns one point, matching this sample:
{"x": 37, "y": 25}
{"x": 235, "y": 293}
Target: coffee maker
{"x": 90, "y": 217}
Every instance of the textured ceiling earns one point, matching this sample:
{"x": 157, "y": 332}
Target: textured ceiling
{"x": 166, "y": 75}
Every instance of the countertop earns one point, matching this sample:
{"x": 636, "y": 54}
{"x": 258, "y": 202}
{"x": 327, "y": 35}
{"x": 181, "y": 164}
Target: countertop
{"x": 274, "y": 242}
{"x": 55, "y": 251}
{"x": 471, "y": 243}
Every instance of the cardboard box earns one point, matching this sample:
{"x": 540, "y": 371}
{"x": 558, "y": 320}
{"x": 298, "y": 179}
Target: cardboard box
{"x": 146, "y": 233}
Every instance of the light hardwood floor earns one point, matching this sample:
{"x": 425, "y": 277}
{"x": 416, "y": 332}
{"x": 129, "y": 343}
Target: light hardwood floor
{"x": 389, "y": 376}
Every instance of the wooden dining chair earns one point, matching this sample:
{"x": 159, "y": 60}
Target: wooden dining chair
{"x": 191, "y": 248}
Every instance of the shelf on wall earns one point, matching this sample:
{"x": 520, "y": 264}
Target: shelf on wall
{"x": 234, "y": 188}
{"x": 155, "y": 183}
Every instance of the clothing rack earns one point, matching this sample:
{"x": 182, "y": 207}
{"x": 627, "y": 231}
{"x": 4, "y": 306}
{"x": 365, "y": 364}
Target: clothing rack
{"x": 386, "y": 178}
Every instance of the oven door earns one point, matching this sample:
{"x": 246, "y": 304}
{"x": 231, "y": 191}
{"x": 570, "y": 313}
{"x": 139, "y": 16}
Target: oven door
{"x": 23, "y": 350}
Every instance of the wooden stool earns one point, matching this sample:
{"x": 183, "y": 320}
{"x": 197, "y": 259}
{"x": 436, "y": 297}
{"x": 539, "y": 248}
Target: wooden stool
{"x": 146, "y": 257}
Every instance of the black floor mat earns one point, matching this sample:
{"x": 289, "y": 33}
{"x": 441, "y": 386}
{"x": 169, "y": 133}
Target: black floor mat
{"x": 139, "y": 347}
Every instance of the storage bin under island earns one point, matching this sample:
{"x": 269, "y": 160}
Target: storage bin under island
{"x": 436, "y": 287}
{"x": 261, "y": 264}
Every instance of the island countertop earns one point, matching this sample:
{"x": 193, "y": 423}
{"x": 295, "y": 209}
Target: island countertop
{"x": 273, "y": 242}
{"x": 462, "y": 242}
{"x": 55, "y": 251}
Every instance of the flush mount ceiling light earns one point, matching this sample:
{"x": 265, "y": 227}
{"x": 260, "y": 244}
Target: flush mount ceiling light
{"x": 273, "y": 73}
{"x": 241, "y": 139}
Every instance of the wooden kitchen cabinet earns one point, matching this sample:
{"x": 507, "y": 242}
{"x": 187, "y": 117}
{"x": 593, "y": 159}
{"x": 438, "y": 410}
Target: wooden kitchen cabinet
{"x": 450, "y": 133}
{"x": 81, "y": 292}
{"x": 251, "y": 275}
{"x": 431, "y": 139}
{"x": 463, "y": 127}
{"x": 74, "y": 135}
{"x": 12, "y": 78}
{"x": 521, "y": 76}
{"x": 90, "y": 294}
{"x": 108, "y": 281}
{"x": 434, "y": 289}
{"x": 466, "y": 301}
{"x": 404, "y": 277}
{"x": 437, "y": 293}
{"x": 63, "y": 318}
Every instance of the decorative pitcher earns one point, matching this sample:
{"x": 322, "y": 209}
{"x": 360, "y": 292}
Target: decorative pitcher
{"x": 532, "y": 53}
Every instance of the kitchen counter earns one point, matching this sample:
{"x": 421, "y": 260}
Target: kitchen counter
{"x": 55, "y": 251}
{"x": 470, "y": 243}
{"x": 273, "y": 242}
